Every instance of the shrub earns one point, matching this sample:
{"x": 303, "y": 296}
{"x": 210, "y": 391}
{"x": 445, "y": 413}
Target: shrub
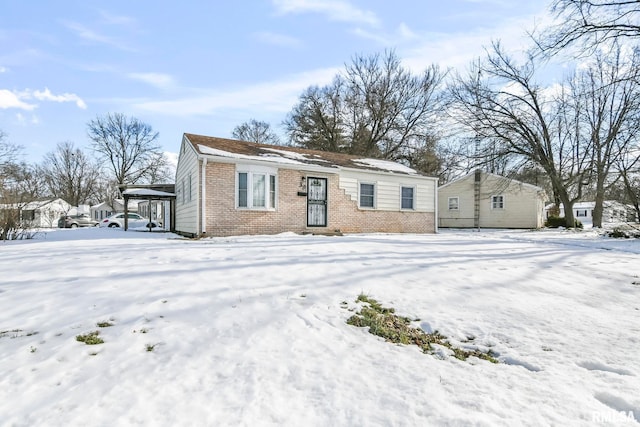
{"x": 618, "y": 233}
{"x": 560, "y": 221}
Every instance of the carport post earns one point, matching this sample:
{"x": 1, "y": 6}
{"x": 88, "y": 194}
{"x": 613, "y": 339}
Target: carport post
{"x": 126, "y": 211}
{"x": 149, "y": 223}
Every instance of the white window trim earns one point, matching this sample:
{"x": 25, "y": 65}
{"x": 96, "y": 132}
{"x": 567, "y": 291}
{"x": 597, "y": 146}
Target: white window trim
{"x": 493, "y": 204}
{"x": 252, "y": 170}
{"x": 413, "y": 198}
{"x": 457, "y": 208}
{"x": 375, "y": 191}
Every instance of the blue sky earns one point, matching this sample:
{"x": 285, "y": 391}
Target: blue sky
{"x": 205, "y": 67}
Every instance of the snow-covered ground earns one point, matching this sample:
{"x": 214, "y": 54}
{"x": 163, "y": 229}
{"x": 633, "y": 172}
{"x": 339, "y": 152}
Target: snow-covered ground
{"x": 250, "y": 331}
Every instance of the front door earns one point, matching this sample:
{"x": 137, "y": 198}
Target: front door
{"x": 316, "y": 202}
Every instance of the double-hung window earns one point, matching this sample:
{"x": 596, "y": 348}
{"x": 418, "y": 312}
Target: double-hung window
{"x": 497, "y": 202}
{"x": 454, "y": 203}
{"x": 256, "y": 190}
{"x": 407, "y": 197}
{"x": 367, "y": 195}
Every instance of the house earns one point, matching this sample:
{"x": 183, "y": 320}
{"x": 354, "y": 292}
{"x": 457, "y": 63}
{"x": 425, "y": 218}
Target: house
{"x": 486, "y": 200}
{"x": 40, "y": 213}
{"x": 227, "y": 187}
{"x": 612, "y": 212}
{"x": 105, "y": 209}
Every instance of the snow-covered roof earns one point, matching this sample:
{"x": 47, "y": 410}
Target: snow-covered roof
{"x": 36, "y": 204}
{"x": 500, "y": 177}
{"x": 292, "y": 156}
{"x": 146, "y": 192}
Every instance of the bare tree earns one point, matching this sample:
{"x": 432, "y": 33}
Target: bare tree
{"x": 586, "y": 24}
{"x": 8, "y": 152}
{"x": 317, "y": 121}
{"x": 376, "y": 108}
{"x": 69, "y": 174}
{"x": 17, "y": 187}
{"x": 608, "y": 93}
{"x": 127, "y": 148}
{"x": 512, "y": 115}
{"x": 256, "y": 131}
{"x": 628, "y": 168}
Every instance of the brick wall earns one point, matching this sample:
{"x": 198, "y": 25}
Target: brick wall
{"x": 224, "y": 219}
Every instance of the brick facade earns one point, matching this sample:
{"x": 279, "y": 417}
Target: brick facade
{"x": 224, "y": 219}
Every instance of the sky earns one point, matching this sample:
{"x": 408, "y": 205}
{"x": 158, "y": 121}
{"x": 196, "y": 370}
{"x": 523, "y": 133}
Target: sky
{"x": 205, "y": 67}
{"x": 252, "y": 330}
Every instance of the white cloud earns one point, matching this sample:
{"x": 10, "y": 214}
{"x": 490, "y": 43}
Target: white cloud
{"x": 24, "y": 120}
{"x": 277, "y": 39}
{"x": 46, "y": 95}
{"x": 457, "y": 50}
{"x": 402, "y": 35}
{"x": 335, "y": 10}
{"x": 273, "y": 96}
{"x": 9, "y": 99}
{"x": 154, "y": 79}
{"x": 110, "y": 18}
{"x": 3, "y": 69}
{"x": 89, "y": 35}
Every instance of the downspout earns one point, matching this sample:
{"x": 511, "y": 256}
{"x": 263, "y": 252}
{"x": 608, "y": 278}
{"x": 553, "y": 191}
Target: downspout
{"x": 476, "y": 199}
{"x": 435, "y": 198}
{"x": 203, "y": 198}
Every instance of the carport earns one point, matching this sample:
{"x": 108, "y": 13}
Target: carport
{"x": 162, "y": 196}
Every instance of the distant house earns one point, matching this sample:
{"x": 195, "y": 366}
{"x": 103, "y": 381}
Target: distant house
{"x": 39, "y": 213}
{"x": 486, "y": 200}
{"x": 227, "y": 187}
{"x": 612, "y": 212}
{"x": 104, "y": 209}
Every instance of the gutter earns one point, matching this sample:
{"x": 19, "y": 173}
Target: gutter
{"x": 203, "y": 197}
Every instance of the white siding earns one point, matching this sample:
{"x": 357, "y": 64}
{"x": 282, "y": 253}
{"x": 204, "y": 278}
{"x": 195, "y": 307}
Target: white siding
{"x": 523, "y": 203}
{"x": 187, "y": 211}
{"x": 388, "y": 189}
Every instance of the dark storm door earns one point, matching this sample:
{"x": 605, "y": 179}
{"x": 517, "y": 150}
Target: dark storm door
{"x": 317, "y": 202}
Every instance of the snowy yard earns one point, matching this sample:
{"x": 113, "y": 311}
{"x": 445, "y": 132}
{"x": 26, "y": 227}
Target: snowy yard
{"x": 251, "y": 331}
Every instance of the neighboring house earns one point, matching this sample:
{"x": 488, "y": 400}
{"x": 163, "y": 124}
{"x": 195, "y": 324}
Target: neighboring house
{"x": 612, "y": 212}
{"x": 104, "y": 210}
{"x": 486, "y": 200}
{"x": 227, "y": 187}
{"x": 40, "y": 213}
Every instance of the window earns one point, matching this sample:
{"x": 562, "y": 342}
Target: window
{"x": 454, "y": 203}
{"x": 259, "y": 187}
{"x": 497, "y": 202}
{"x": 406, "y": 197}
{"x": 582, "y": 213}
{"x": 29, "y": 215}
{"x": 367, "y": 195}
{"x": 256, "y": 190}
{"x": 272, "y": 190}
{"x": 242, "y": 190}
{"x": 189, "y": 189}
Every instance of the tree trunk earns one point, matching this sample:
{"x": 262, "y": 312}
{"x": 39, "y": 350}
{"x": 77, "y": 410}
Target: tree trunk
{"x": 599, "y": 207}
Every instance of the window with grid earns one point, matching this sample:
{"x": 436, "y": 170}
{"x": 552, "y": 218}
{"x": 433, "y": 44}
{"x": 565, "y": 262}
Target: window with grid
{"x": 256, "y": 190}
{"x": 497, "y": 202}
{"x": 367, "y": 195}
{"x": 407, "y": 198}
